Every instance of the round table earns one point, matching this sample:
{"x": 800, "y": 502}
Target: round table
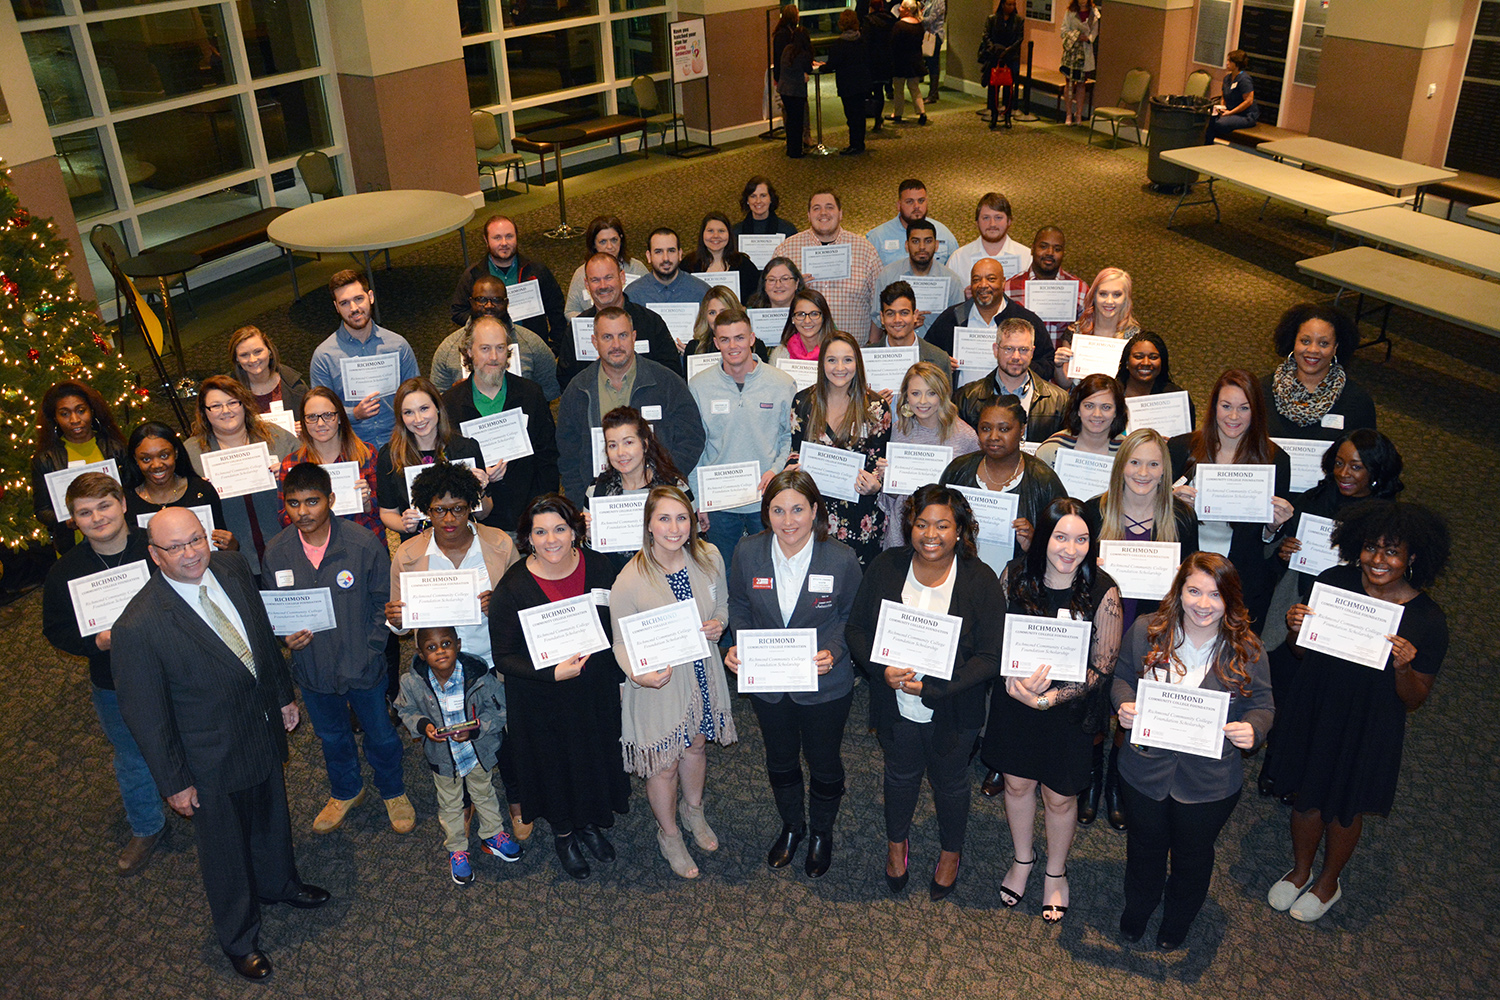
{"x": 558, "y": 138}
{"x": 161, "y": 265}
{"x": 374, "y": 220}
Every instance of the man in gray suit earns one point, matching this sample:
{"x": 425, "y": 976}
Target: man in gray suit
{"x": 207, "y": 695}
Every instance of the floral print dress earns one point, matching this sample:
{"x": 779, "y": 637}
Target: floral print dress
{"x": 861, "y": 526}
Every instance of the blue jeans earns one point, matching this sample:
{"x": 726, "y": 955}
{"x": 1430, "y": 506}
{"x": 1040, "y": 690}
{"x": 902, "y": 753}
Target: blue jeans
{"x": 329, "y": 715}
{"x": 725, "y": 530}
{"x": 143, "y": 806}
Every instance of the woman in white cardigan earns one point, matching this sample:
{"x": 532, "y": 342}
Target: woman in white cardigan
{"x": 670, "y": 715}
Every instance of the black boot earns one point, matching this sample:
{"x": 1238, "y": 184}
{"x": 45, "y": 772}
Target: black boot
{"x": 786, "y": 789}
{"x": 1088, "y": 801}
{"x": 822, "y": 809}
{"x": 1114, "y": 807}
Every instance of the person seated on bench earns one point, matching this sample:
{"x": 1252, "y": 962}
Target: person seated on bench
{"x": 1238, "y": 108}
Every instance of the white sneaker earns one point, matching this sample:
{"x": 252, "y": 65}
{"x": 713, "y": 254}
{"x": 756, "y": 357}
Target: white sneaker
{"x": 1283, "y": 894}
{"x": 1309, "y": 907}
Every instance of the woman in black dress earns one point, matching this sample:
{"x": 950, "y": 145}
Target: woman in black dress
{"x": 564, "y": 720}
{"x": 1040, "y": 732}
{"x": 1340, "y": 735}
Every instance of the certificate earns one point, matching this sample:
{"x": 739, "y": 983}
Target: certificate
{"x": 760, "y": 247}
{"x": 831, "y": 263}
{"x": 1053, "y": 301}
{"x": 617, "y": 524}
{"x": 411, "y": 472}
{"x": 994, "y": 513}
{"x": 713, "y": 279}
{"x": 583, "y": 338}
{"x": 1083, "y": 474}
{"x": 804, "y": 373}
{"x": 501, "y": 436}
{"x": 925, "y": 641}
{"x": 597, "y": 451}
{"x": 1092, "y": 355}
{"x": 204, "y": 511}
{"x": 1142, "y": 570}
{"x": 974, "y": 347}
{"x": 1010, "y": 264}
{"x": 1350, "y": 626}
{"x": 345, "y": 479}
{"x": 525, "y": 300}
{"x": 885, "y": 367}
{"x": 833, "y": 469}
{"x": 679, "y": 317}
{"x": 59, "y": 481}
{"x": 912, "y": 466}
{"x": 99, "y": 597}
{"x": 236, "y": 472}
{"x": 1176, "y": 717}
{"x": 703, "y": 362}
{"x": 1033, "y": 640}
{"x": 768, "y": 324}
{"x": 379, "y": 374}
{"x": 931, "y": 292}
{"x": 1317, "y": 552}
{"x": 1307, "y": 461}
{"x": 664, "y": 637}
{"x": 777, "y": 660}
{"x": 561, "y": 630}
{"x": 1235, "y": 492}
{"x": 294, "y": 610}
{"x": 443, "y": 597}
{"x": 1167, "y": 413}
{"x": 725, "y": 487}
{"x": 285, "y": 419}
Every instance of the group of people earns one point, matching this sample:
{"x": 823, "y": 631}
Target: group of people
{"x": 193, "y": 691}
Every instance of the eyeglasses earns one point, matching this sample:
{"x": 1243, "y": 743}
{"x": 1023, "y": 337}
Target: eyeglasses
{"x": 784, "y": 279}
{"x": 458, "y": 512}
{"x": 233, "y": 404}
{"x": 491, "y": 300}
{"x": 331, "y": 417}
{"x": 1023, "y": 349}
{"x": 173, "y": 550}
{"x": 805, "y": 316}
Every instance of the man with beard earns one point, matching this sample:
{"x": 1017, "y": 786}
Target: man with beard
{"x": 889, "y": 238}
{"x": 919, "y": 261}
{"x": 667, "y": 282}
{"x": 851, "y": 290}
{"x": 1015, "y": 342}
{"x": 506, "y": 262}
{"x": 489, "y": 297}
{"x": 606, "y": 284}
{"x": 1046, "y": 265}
{"x": 359, "y": 336}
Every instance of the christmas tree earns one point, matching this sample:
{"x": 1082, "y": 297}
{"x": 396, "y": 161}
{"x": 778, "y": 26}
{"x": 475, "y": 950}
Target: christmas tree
{"x": 47, "y": 335}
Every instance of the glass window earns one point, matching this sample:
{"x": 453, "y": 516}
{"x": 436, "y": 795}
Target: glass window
{"x": 473, "y": 17}
{"x": 484, "y": 82}
{"x": 553, "y": 60}
{"x": 293, "y": 118}
{"x": 187, "y": 217}
{"x": 81, "y": 157}
{"x": 628, "y": 104}
{"x": 28, "y": 9}
{"x": 518, "y": 12}
{"x": 278, "y": 36}
{"x": 156, "y": 56}
{"x": 177, "y": 149}
{"x": 640, "y": 46}
{"x": 617, "y": 6}
{"x": 59, "y": 81}
{"x": 574, "y": 109}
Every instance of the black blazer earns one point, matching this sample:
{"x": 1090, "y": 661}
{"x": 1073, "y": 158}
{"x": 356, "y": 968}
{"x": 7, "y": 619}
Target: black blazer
{"x": 198, "y": 715}
{"x": 525, "y": 478}
{"x": 957, "y": 704}
{"x": 752, "y": 607}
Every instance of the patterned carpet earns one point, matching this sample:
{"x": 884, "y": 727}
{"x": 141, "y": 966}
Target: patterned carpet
{"x": 1418, "y": 918}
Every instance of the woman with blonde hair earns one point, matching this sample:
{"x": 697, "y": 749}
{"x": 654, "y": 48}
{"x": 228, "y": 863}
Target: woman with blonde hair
{"x": 227, "y": 418}
{"x": 840, "y": 411}
{"x": 669, "y": 715}
{"x": 925, "y": 414}
{"x": 422, "y": 435}
{"x": 255, "y": 362}
{"x": 719, "y": 299}
{"x": 1108, "y": 311}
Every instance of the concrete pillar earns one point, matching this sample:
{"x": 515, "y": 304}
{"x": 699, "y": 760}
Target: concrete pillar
{"x": 737, "y": 68}
{"x": 1156, "y": 35}
{"x": 405, "y": 95}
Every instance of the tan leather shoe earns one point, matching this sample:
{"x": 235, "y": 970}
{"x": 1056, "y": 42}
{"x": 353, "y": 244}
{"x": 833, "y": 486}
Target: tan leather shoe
{"x": 332, "y": 816}
{"x": 137, "y": 853}
{"x": 403, "y": 816}
{"x": 520, "y": 830}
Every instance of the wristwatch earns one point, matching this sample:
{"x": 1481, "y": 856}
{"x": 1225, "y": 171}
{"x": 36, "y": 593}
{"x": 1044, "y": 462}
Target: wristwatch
{"x": 1042, "y": 702}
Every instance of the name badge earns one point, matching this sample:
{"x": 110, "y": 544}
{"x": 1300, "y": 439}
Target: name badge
{"x": 651, "y": 412}
{"x": 892, "y": 244}
{"x": 1334, "y": 420}
{"x": 819, "y": 583}
{"x": 285, "y": 578}
{"x": 600, "y": 596}
{"x": 761, "y": 583}
{"x": 719, "y": 406}
{"x": 452, "y": 702}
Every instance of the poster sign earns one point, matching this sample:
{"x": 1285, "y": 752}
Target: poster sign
{"x": 1039, "y": 10}
{"x": 689, "y": 50}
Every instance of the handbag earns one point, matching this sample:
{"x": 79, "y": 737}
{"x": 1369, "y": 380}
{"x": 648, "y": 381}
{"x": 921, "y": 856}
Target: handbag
{"x": 929, "y": 44}
{"x": 1000, "y": 77}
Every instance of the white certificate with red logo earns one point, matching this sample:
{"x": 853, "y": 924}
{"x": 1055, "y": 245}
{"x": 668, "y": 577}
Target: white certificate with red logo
{"x": 664, "y": 637}
{"x": 924, "y": 641}
{"x": 562, "y": 629}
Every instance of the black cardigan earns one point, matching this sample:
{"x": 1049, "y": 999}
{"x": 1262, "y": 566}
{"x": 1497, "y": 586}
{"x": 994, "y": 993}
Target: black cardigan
{"x": 957, "y": 704}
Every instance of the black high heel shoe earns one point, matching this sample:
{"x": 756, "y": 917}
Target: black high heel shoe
{"x": 939, "y": 892}
{"x": 1009, "y": 897}
{"x": 1053, "y": 913}
{"x": 896, "y": 883}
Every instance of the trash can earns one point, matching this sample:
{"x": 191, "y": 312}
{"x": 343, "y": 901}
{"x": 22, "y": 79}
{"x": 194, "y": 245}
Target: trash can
{"x": 1176, "y": 123}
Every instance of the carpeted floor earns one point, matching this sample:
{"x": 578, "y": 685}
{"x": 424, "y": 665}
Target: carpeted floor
{"x": 1418, "y": 918}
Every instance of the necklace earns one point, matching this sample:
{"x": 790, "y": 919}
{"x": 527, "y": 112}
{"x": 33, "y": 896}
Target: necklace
{"x": 105, "y": 562}
{"x": 178, "y": 488}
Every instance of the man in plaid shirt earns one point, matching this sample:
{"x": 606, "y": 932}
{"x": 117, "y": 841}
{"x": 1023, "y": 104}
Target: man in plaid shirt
{"x": 852, "y": 295}
{"x": 1046, "y": 265}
